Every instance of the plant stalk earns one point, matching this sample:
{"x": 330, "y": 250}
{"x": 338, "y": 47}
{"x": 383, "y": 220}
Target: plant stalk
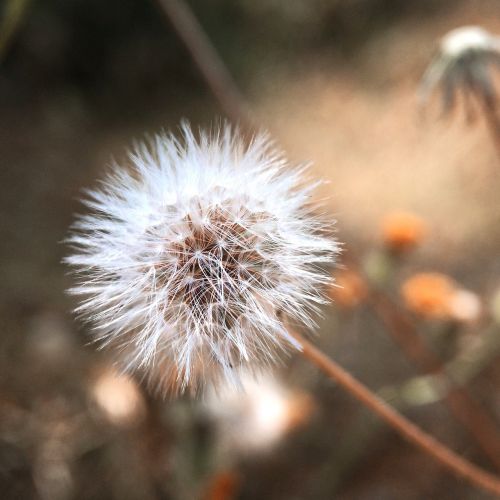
{"x": 446, "y": 457}
{"x": 461, "y": 404}
{"x": 208, "y": 61}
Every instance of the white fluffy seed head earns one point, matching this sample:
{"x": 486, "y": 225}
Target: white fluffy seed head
{"x": 461, "y": 66}
{"x": 466, "y": 39}
{"x": 189, "y": 261}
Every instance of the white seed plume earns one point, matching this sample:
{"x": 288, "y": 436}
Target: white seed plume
{"x": 459, "y": 41}
{"x": 462, "y": 66}
{"x": 190, "y": 260}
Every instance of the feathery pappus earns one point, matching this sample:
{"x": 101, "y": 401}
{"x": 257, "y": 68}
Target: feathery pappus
{"x": 190, "y": 260}
{"x": 462, "y": 66}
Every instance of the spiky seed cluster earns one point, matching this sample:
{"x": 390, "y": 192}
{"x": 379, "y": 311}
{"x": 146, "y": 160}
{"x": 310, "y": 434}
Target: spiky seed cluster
{"x": 189, "y": 261}
{"x": 462, "y": 66}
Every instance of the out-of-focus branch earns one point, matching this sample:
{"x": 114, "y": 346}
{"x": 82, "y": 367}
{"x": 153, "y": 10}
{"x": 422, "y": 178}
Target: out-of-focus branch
{"x": 398, "y": 422}
{"x": 12, "y": 16}
{"x": 460, "y": 403}
{"x": 420, "y": 390}
{"x": 208, "y": 61}
{"x": 426, "y": 389}
{"x": 469, "y": 363}
{"x": 490, "y": 112}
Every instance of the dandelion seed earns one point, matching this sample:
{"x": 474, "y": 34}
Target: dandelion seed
{"x": 189, "y": 262}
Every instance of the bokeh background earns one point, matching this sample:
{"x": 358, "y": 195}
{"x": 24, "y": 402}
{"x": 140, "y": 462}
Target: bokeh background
{"x": 335, "y": 81}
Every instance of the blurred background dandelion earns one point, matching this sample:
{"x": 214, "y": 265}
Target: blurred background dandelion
{"x": 416, "y": 311}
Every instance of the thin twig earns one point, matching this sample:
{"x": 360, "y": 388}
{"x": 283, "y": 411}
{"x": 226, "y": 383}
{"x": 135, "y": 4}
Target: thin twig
{"x": 13, "y": 15}
{"x": 407, "y": 429}
{"x": 468, "y": 412}
{"x": 208, "y": 61}
{"x": 489, "y": 111}
{"x": 460, "y": 403}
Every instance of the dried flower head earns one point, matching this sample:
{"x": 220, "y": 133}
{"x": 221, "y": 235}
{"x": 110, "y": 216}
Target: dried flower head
{"x": 256, "y": 419}
{"x": 462, "y": 66}
{"x": 429, "y": 294}
{"x": 190, "y": 261}
{"x": 437, "y": 296}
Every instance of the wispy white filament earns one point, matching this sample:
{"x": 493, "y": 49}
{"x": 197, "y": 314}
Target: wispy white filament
{"x": 190, "y": 260}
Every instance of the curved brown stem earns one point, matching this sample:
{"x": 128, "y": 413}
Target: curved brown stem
{"x": 466, "y": 410}
{"x": 490, "y": 113}
{"x": 460, "y": 403}
{"x": 398, "y": 422}
{"x": 208, "y": 61}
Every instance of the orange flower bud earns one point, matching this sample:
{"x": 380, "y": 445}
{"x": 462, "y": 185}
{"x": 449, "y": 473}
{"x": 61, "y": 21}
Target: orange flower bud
{"x": 437, "y": 296}
{"x": 349, "y": 289}
{"x": 402, "y": 231}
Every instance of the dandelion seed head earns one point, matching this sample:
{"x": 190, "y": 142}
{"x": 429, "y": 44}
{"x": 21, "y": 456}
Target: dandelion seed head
{"x": 468, "y": 38}
{"x": 189, "y": 262}
{"x": 462, "y": 66}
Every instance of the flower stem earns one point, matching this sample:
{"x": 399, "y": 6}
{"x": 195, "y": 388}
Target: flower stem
{"x": 461, "y": 404}
{"x": 489, "y": 109}
{"x": 208, "y": 61}
{"x": 398, "y": 422}
{"x": 466, "y": 410}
